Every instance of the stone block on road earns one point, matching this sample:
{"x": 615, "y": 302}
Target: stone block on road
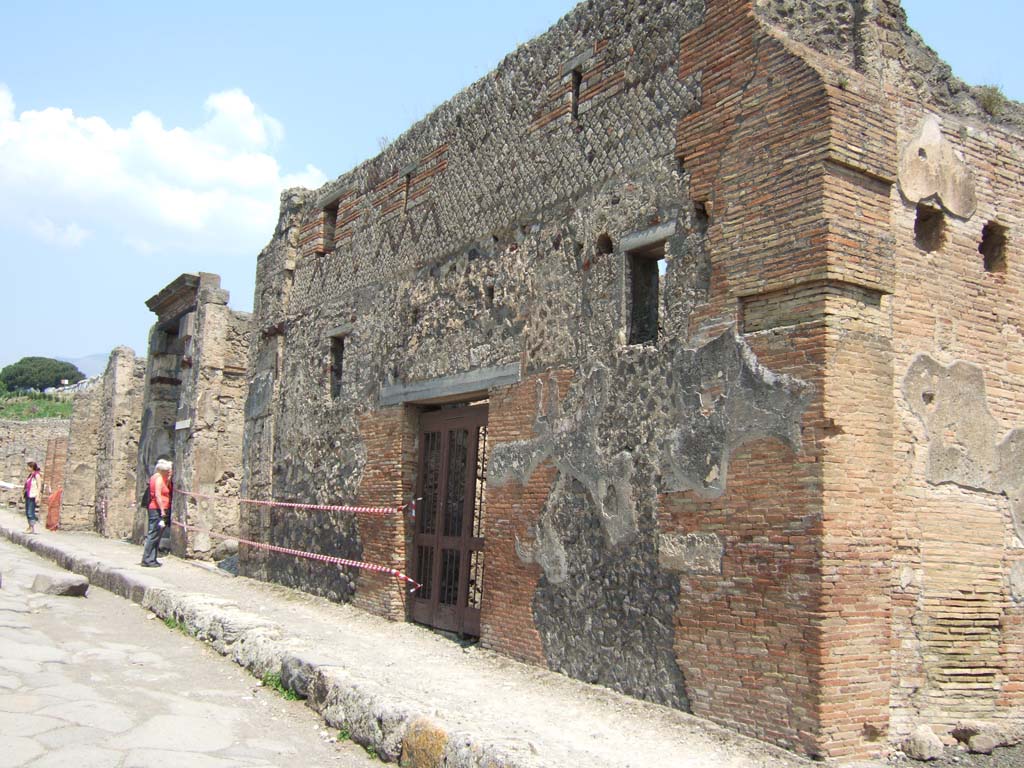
{"x": 64, "y": 584}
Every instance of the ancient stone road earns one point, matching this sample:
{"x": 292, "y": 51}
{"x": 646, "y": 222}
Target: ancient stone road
{"x": 97, "y": 681}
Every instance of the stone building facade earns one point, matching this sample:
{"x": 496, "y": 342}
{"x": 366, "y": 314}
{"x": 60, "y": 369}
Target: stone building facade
{"x": 120, "y": 418}
{"x": 694, "y": 329}
{"x": 78, "y": 502}
{"x": 99, "y": 487}
{"x": 192, "y": 409}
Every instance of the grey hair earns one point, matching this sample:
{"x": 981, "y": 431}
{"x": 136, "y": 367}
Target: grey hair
{"x": 164, "y": 464}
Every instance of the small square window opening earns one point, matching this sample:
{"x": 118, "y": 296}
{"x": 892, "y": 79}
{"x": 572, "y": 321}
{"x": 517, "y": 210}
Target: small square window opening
{"x": 645, "y": 269}
{"x": 577, "y": 81}
{"x": 337, "y": 364}
{"x": 330, "y": 223}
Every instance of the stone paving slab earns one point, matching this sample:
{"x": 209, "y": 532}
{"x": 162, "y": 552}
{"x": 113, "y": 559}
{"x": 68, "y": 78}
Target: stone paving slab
{"x": 405, "y": 691}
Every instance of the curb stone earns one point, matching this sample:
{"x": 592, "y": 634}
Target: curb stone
{"x": 374, "y": 719}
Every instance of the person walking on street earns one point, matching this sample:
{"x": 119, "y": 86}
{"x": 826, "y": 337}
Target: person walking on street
{"x": 159, "y": 511}
{"x": 33, "y": 488}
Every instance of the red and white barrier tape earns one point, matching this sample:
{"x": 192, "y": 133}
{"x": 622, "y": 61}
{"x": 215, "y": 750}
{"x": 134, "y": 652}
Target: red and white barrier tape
{"x": 382, "y": 511}
{"x": 308, "y": 555}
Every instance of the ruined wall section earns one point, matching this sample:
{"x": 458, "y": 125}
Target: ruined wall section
{"x": 275, "y": 270}
{"x": 873, "y": 37}
{"x": 210, "y": 418}
{"x": 21, "y": 441}
{"x": 508, "y": 196}
{"x": 118, "y": 445}
{"x": 24, "y": 440}
{"x": 959, "y": 394}
{"x": 800, "y": 264}
{"x": 737, "y": 482}
{"x": 510, "y": 242}
{"x": 78, "y": 504}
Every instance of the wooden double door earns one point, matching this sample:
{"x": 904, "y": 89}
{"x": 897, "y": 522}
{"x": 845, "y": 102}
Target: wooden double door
{"x": 451, "y": 499}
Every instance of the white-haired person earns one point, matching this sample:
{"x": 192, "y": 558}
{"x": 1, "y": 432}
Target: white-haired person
{"x": 160, "y": 489}
{"x": 33, "y": 489}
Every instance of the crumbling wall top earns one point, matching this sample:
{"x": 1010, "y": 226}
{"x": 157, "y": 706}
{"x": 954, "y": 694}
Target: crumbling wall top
{"x": 873, "y": 37}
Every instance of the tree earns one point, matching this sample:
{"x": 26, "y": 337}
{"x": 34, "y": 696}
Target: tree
{"x": 39, "y": 373}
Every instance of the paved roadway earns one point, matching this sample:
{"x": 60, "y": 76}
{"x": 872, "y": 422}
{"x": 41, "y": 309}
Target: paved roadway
{"x": 97, "y": 681}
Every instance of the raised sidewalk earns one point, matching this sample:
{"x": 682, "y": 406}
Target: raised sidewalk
{"x": 407, "y": 692}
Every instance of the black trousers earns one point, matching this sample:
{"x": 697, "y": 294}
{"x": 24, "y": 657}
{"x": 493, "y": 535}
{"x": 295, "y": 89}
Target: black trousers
{"x": 153, "y": 534}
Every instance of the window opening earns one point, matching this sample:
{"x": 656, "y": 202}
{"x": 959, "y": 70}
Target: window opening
{"x": 700, "y": 216}
{"x": 330, "y": 224}
{"x": 577, "y": 81}
{"x": 646, "y": 268}
{"x": 993, "y": 247}
{"x": 337, "y": 364}
{"x": 929, "y": 228}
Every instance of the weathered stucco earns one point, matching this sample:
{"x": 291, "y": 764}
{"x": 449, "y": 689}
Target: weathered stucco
{"x": 964, "y": 441}
{"x": 930, "y": 170}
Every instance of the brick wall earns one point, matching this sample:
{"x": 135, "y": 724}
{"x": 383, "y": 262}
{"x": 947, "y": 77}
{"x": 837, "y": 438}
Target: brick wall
{"x": 390, "y": 436}
{"x": 513, "y": 508}
{"x": 746, "y": 636}
{"x": 958, "y": 626}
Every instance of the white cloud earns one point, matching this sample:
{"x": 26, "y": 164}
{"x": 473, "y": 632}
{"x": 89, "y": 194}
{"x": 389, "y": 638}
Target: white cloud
{"x": 145, "y": 183}
{"x": 70, "y": 236}
{"x": 234, "y": 119}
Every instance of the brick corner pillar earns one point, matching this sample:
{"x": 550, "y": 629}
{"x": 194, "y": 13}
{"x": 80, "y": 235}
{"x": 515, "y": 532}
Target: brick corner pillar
{"x": 854, "y": 621}
{"x": 390, "y": 435}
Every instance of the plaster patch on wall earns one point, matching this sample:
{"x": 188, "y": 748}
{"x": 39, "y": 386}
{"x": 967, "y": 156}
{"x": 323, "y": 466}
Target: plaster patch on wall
{"x": 545, "y": 550}
{"x": 260, "y": 395}
{"x": 725, "y": 398}
{"x": 570, "y": 441}
{"x": 699, "y": 553}
{"x": 655, "y": 419}
{"x": 930, "y": 168}
{"x": 711, "y": 401}
{"x": 963, "y": 444}
{"x": 1017, "y": 581}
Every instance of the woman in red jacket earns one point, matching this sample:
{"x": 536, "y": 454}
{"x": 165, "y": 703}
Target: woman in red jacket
{"x": 159, "y": 511}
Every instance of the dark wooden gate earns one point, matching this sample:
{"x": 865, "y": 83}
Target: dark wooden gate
{"x": 449, "y": 539}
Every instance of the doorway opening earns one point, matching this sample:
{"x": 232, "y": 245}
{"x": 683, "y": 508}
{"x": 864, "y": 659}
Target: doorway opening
{"x": 448, "y": 538}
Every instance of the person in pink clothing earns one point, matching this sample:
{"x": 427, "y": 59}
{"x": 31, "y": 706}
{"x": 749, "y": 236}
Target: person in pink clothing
{"x": 33, "y": 489}
{"x": 160, "y": 489}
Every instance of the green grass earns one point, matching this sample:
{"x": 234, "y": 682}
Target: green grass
{"x": 34, "y": 405}
{"x": 273, "y": 680}
{"x": 345, "y": 735}
{"x": 172, "y": 623}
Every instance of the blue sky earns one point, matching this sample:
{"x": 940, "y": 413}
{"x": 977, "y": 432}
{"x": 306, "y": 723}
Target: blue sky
{"x": 139, "y": 141}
